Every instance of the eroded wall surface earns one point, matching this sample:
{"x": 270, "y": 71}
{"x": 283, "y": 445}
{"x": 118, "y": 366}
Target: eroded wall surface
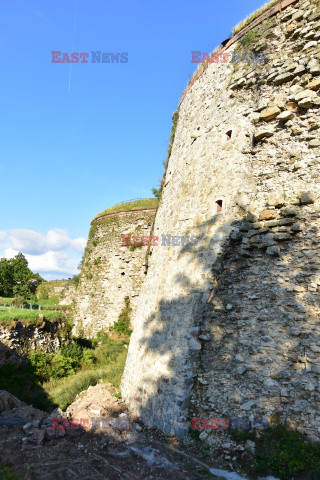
{"x": 110, "y": 272}
{"x": 229, "y": 326}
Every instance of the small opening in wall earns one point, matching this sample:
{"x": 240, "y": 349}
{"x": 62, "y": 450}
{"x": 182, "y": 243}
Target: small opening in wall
{"x": 229, "y": 135}
{"x": 219, "y": 205}
{"x": 122, "y": 273}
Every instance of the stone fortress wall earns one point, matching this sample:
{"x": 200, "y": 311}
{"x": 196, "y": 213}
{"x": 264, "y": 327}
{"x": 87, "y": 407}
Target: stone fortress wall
{"x": 230, "y": 326}
{"x": 110, "y": 272}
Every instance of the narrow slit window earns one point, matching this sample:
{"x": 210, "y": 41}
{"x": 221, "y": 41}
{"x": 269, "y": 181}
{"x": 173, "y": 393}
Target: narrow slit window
{"x": 229, "y": 135}
{"x": 219, "y": 205}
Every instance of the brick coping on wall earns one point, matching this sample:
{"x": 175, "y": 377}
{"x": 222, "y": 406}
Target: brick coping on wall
{"x": 123, "y": 213}
{"x": 268, "y": 13}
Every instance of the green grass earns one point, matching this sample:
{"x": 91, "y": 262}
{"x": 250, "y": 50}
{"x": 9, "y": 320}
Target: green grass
{"x": 47, "y": 380}
{"x": 46, "y": 291}
{"x": 254, "y": 15}
{"x": 48, "y": 302}
{"x": 51, "y": 304}
{"x": 106, "y": 362}
{"x": 130, "y": 207}
{"x": 285, "y": 454}
{"x": 282, "y": 452}
{"x": 63, "y": 392}
{"x": 8, "y": 316}
{"x": 6, "y": 300}
{"x": 6, "y": 473}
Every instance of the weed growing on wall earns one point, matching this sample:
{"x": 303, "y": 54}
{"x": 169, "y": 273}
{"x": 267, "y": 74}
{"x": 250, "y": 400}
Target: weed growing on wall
{"x": 122, "y": 326}
{"x": 175, "y": 118}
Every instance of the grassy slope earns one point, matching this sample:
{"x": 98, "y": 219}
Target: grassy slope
{"x": 7, "y": 316}
{"x": 130, "y": 207}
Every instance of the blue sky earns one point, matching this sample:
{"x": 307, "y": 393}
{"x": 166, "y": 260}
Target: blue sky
{"x": 76, "y": 139}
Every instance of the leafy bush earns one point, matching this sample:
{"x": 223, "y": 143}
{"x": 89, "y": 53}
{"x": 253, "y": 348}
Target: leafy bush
{"x": 54, "y": 379}
{"x": 19, "y": 300}
{"x": 76, "y": 279}
{"x": 64, "y": 362}
{"x": 6, "y": 473}
{"x": 105, "y": 362}
{"x": 63, "y": 392}
{"x": 156, "y": 192}
{"x": 285, "y": 454}
{"x": 122, "y": 326}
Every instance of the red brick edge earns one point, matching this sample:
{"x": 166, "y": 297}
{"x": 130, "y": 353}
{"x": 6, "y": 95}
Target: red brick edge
{"x": 123, "y": 213}
{"x": 268, "y": 13}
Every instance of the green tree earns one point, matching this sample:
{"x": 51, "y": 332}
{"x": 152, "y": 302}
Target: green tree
{"x": 16, "y": 278}
{"x": 6, "y": 278}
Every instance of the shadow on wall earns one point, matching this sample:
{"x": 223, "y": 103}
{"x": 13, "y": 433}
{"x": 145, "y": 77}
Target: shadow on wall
{"x": 251, "y": 349}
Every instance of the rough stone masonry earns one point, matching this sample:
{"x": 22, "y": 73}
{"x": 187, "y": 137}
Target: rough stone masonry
{"x": 110, "y": 272}
{"x": 231, "y": 326}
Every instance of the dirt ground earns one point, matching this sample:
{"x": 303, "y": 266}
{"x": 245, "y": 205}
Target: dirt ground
{"x": 96, "y": 438}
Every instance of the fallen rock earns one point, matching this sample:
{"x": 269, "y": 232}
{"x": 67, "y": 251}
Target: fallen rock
{"x": 50, "y": 433}
{"x": 8, "y": 401}
{"x": 38, "y": 437}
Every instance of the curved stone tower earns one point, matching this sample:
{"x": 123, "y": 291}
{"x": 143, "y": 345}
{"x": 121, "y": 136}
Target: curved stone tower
{"x": 110, "y": 271}
{"x": 228, "y": 326}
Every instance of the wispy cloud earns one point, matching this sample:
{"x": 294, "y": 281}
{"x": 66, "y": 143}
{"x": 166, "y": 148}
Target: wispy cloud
{"x": 44, "y": 18}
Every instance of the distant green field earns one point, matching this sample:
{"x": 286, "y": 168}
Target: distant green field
{"x": 9, "y": 315}
{"x": 52, "y": 304}
{"x": 6, "y": 300}
{"x": 130, "y": 207}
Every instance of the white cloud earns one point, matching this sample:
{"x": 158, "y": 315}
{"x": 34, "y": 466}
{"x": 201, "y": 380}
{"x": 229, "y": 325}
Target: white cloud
{"x": 26, "y": 241}
{"x": 52, "y": 255}
{"x": 79, "y": 244}
{"x": 58, "y": 239}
